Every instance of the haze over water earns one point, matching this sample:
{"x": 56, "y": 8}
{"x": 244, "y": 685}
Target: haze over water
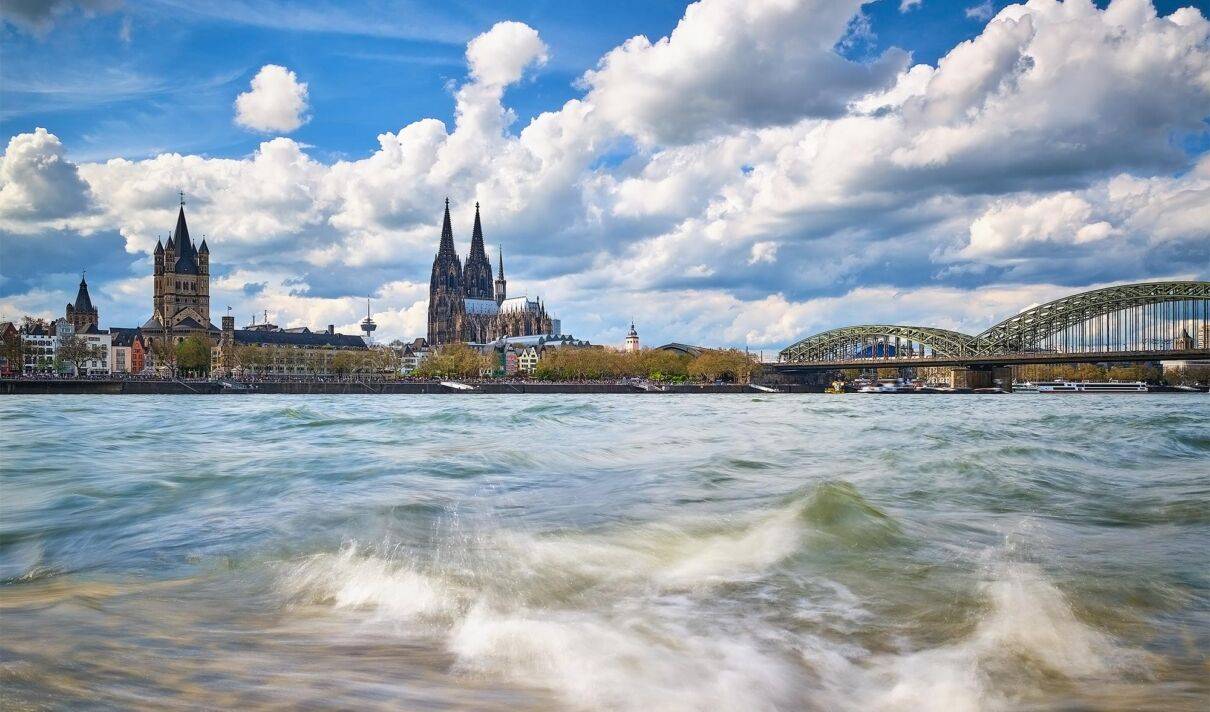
{"x": 605, "y": 552}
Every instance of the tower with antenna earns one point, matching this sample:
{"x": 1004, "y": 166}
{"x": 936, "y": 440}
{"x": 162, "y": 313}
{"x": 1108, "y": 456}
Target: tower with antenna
{"x": 368, "y": 325}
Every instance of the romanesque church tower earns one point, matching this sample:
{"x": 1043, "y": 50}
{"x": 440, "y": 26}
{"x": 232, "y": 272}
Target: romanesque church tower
{"x": 446, "y": 291}
{"x": 181, "y": 304}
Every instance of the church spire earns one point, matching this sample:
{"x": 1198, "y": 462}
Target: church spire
{"x": 447, "y": 234}
{"x": 500, "y": 287}
{"x": 477, "y": 237}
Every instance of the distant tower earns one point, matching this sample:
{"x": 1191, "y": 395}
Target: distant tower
{"x": 632, "y": 338}
{"x": 477, "y": 274}
{"x": 367, "y": 324}
{"x": 500, "y": 285}
{"x": 82, "y": 314}
{"x": 447, "y": 298}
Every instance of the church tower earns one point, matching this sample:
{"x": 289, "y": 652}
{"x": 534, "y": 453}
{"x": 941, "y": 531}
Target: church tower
{"x": 82, "y": 314}
{"x": 477, "y": 276}
{"x": 632, "y": 338}
{"x": 500, "y": 285}
{"x": 181, "y": 302}
{"x": 446, "y": 291}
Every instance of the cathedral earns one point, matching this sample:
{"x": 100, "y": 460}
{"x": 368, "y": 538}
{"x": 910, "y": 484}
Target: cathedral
{"x": 181, "y": 306}
{"x": 467, "y": 304}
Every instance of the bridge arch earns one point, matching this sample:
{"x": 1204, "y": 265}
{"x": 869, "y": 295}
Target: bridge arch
{"x": 1140, "y": 316}
{"x": 875, "y": 341}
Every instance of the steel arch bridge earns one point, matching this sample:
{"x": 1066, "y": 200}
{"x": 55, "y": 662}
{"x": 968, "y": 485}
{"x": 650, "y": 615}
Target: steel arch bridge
{"x": 880, "y": 341}
{"x": 1140, "y": 321}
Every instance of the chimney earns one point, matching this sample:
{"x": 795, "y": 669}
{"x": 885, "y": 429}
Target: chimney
{"x": 331, "y": 328}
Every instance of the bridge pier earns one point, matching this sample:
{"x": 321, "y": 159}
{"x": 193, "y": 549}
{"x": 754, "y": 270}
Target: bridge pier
{"x": 981, "y": 376}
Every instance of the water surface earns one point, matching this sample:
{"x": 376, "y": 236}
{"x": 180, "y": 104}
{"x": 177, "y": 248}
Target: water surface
{"x": 605, "y": 552}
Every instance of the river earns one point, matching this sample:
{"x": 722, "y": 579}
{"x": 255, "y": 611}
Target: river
{"x": 641, "y": 552}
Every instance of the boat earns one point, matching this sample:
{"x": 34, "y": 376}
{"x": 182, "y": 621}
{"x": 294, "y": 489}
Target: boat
{"x": 1093, "y": 387}
{"x": 458, "y": 386}
{"x": 889, "y": 385}
{"x": 1033, "y": 386}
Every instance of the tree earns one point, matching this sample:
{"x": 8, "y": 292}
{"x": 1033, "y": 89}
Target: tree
{"x": 723, "y": 365}
{"x": 12, "y": 349}
{"x": 193, "y": 355}
{"x": 343, "y": 363}
{"x": 75, "y": 350}
{"x": 455, "y": 361}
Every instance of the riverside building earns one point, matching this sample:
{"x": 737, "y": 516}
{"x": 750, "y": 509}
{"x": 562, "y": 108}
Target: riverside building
{"x": 467, "y": 303}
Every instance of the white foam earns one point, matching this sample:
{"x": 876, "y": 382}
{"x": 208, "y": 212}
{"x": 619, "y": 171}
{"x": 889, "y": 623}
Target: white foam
{"x": 389, "y": 587}
{"x": 1028, "y": 624}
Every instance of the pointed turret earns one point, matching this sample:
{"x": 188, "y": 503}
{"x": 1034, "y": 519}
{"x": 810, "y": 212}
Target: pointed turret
{"x": 203, "y": 250}
{"x": 500, "y": 287}
{"x": 159, "y": 247}
{"x": 83, "y": 301}
{"x": 186, "y": 261}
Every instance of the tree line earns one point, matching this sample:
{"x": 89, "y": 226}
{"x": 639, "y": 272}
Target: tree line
{"x": 600, "y": 364}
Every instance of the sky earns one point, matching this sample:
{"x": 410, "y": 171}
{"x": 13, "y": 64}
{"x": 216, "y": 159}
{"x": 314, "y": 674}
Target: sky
{"x": 727, "y": 172}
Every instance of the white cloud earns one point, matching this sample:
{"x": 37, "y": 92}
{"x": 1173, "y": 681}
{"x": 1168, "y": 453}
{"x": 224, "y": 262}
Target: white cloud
{"x": 983, "y": 11}
{"x": 499, "y": 56}
{"x": 735, "y": 63}
{"x": 909, "y": 5}
{"x": 277, "y": 101}
{"x": 38, "y": 185}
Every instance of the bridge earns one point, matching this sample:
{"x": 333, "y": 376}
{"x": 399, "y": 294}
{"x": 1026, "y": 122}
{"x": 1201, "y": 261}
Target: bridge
{"x": 1148, "y": 321}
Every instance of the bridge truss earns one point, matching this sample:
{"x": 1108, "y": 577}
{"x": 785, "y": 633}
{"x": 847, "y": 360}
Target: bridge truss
{"x": 1132, "y": 319}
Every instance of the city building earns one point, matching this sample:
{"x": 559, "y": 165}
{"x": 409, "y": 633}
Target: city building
{"x": 38, "y": 347}
{"x": 412, "y": 355}
{"x": 632, "y": 339}
{"x": 97, "y": 340}
{"x": 268, "y": 350}
{"x": 129, "y": 352}
{"x": 181, "y": 301}
{"x": 522, "y": 353}
{"x": 469, "y": 304}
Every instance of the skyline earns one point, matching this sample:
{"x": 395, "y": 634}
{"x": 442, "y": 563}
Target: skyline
{"x": 752, "y": 174}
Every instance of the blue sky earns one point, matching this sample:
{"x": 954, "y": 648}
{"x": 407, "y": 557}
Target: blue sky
{"x": 765, "y": 170}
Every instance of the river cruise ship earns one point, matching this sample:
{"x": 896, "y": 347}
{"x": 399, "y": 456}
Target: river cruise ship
{"x": 1092, "y": 387}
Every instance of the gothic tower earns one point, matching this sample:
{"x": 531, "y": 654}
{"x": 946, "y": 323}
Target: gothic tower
{"x": 501, "y": 285}
{"x": 446, "y": 291}
{"x": 477, "y": 276}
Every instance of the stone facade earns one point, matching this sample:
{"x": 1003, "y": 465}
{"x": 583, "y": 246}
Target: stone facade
{"x": 468, "y": 304}
{"x": 181, "y": 302}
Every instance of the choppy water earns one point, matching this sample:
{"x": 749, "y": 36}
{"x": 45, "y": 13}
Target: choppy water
{"x": 605, "y": 552}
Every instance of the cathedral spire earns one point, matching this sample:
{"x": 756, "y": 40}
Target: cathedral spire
{"x": 447, "y": 233}
{"x": 477, "y": 237}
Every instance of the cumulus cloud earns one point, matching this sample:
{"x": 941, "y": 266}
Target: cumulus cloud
{"x": 499, "y": 56}
{"x": 38, "y": 185}
{"x": 769, "y": 186}
{"x": 733, "y": 63}
{"x": 277, "y": 101}
{"x": 909, "y": 5}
